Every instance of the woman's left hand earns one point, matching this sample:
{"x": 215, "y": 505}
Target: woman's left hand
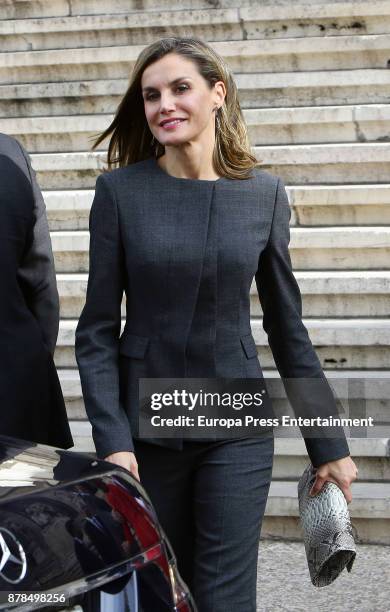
{"x": 342, "y": 472}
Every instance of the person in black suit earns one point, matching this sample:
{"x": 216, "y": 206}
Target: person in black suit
{"x": 31, "y": 402}
{"x": 182, "y": 226}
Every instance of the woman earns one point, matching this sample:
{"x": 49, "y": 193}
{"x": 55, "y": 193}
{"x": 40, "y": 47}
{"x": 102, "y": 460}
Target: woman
{"x": 32, "y": 405}
{"x": 182, "y": 226}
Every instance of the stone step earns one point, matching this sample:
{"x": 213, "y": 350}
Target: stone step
{"x": 315, "y": 248}
{"x": 319, "y": 205}
{"x": 133, "y": 28}
{"x": 340, "y": 247}
{"x": 70, "y": 251}
{"x": 68, "y": 210}
{"x": 372, "y": 457}
{"x": 243, "y": 56}
{"x": 279, "y": 89}
{"x": 336, "y": 293}
{"x": 314, "y": 124}
{"x": 211, "y": 23}
{"x": 317, "y": 163}
{"x": 19, "y": 9}
{"x": 369, "y": 511}
{"x": 347, "y": 343}
{"x": 72, "y": 290}
{"x": 351, "y": 293}
{"x": 323, "y": 205}
{"x": 68, "y": 170}
{"x": 327, "y": 163}
{"x": 82, "y": 437}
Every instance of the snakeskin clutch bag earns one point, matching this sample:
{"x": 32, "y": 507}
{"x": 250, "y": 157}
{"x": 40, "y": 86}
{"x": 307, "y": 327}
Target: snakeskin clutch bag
{"x": 327, "y": 530}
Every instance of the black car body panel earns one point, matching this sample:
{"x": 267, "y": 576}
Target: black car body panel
{"x": 70, "y": 523}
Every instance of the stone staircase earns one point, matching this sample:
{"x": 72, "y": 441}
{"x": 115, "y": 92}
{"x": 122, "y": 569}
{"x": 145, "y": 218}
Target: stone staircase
{"x": 314, "y": 83}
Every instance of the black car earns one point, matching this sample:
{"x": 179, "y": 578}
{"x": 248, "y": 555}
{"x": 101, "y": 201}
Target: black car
{"x": 73, "y": 528}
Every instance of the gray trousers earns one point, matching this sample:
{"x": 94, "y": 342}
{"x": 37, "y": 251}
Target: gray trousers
{"x": 210, "y": 499}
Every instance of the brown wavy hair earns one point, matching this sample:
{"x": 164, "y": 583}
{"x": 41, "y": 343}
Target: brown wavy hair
{"x": 131, "y": 139}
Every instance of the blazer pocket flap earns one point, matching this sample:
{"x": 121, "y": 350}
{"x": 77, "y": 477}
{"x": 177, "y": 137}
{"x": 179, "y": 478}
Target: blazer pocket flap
{"x": 249, "y": 346}
{"x": 131, "y": 345}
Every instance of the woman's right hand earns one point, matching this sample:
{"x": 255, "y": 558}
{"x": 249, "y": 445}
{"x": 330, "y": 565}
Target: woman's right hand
{"x": 125, "y": 459}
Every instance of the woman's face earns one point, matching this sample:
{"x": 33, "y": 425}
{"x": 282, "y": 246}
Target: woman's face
{"x": 179, "y": 104}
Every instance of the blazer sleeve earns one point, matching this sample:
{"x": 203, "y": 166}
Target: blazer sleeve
{"x": 36, "y": 271}
{"x": 308, "y": 390}
{"x": 98, "y": 330}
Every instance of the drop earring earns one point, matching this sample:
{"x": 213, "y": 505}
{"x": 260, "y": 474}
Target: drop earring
{"x": 217, "y": 122}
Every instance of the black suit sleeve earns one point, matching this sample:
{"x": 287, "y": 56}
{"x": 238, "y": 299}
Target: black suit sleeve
{"x": 98, "y": 330}
{"x": 288, "y": 338}
{"x": 36, "y": 272}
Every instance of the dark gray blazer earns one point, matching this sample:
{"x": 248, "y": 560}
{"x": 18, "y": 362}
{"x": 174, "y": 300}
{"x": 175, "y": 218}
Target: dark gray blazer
{"x": 31, "y": 403}
{"x": 36, "y": 272}
{"x": 185, "y": 252}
